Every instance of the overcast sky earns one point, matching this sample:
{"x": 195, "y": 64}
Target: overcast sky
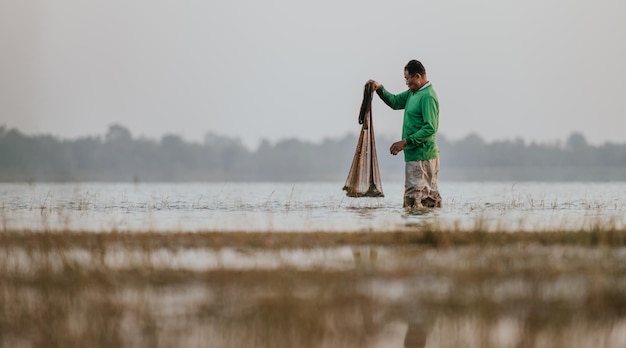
{"x": 275, "y": 69}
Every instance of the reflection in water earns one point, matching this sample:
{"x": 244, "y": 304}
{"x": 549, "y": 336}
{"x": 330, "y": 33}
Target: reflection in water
{"x": 424, "y": 212}
{"x": 416, "y": 335}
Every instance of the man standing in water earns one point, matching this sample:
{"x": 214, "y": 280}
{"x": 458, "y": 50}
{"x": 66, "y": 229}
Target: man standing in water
{"x": 421, "y": 120}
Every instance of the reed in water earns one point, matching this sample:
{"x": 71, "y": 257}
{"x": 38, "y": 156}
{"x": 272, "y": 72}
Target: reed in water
{"x": 358, "y": 289}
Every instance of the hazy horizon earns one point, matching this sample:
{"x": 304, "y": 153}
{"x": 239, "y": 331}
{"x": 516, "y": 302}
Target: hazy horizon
{"x": 536, "y": 70}
{"x": 355, "y": 134}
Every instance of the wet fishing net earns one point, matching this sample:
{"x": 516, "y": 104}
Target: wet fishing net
{"x": 364, "y": 177}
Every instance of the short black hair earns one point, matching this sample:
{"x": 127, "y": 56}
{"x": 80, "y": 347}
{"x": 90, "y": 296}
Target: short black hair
{"x": 415, "y": 67}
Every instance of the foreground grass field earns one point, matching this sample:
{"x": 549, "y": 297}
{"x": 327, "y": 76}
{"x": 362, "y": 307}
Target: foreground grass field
{"x": 423, "y": 288}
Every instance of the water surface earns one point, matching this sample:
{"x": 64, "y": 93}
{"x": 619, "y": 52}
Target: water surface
{"x": 104, "y": 290}
{"x": 319, "y": 206}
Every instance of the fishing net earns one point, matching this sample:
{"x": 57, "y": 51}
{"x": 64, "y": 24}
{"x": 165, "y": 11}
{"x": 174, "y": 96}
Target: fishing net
{"x": 364, "y": 177}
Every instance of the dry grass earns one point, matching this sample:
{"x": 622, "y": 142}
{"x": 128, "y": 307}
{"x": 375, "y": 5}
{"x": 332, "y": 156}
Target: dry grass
{"x": 438, "y": 288}
{"x": 423, "y": 235}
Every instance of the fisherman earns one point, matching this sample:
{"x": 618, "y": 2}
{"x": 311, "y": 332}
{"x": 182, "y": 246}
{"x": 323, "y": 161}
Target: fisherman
{"x": 421, "y": 120}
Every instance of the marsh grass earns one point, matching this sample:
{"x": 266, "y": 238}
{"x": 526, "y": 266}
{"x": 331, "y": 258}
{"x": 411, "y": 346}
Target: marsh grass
{"x": 493, "y": 280}
{"x": 595, "y": 235}
{"x": 429, "y": 287}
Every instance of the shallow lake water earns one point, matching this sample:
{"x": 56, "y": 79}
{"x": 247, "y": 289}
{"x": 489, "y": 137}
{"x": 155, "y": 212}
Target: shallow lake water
{"x": 112, "y": 290}
{"x": 307, "y": 206}
{"x": 117, "y": 294}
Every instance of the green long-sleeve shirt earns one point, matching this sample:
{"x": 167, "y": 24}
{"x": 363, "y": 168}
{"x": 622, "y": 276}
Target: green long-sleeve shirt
{"x": 421, "y": 120}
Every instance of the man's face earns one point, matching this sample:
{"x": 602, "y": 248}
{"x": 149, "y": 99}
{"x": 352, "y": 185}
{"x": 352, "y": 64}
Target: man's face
{"x": 412, "y": 81}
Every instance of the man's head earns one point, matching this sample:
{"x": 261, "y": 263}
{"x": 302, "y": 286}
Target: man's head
{"x": 415, "y": 75}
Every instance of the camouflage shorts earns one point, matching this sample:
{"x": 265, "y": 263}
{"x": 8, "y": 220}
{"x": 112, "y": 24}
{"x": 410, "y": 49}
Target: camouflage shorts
{"x": 420, "y": 185}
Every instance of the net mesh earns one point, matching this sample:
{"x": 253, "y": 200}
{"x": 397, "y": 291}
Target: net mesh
{"x": 364, "y": 176}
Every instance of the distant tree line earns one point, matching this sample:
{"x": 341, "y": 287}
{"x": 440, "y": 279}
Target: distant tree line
{"x": 118, "y": 156}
